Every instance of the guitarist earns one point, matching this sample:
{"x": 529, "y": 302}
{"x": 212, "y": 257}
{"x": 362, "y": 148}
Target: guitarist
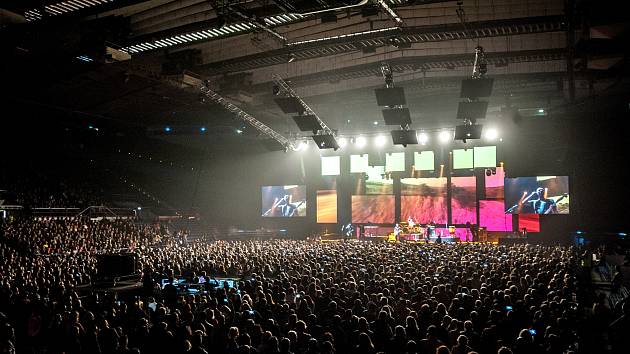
{"x": 543, "y": 205}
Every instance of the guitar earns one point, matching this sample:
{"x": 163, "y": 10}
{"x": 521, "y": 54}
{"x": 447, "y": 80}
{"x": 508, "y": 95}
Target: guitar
{"x": 546, "y": 206}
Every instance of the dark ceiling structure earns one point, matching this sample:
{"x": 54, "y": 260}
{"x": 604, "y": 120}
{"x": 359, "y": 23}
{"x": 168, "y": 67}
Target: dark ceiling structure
{"x": 140, "y": 63}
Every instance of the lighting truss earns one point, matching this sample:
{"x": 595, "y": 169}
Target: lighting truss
{"x": 260, "y": 25}
{"x": 260, "y": 126}
{"x": 61, "y": 8}
{"x": 390, "y": 12}
{"x": 290, "y": 93}
{"x": 217, "y": 33}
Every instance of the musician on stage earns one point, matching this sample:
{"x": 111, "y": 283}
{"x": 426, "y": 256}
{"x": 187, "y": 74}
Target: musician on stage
{"x": 397, "y": 231}
{"x": 410, "y": 222}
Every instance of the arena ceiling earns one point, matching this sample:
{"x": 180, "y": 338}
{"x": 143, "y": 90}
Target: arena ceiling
{"x": 329, "y": 51}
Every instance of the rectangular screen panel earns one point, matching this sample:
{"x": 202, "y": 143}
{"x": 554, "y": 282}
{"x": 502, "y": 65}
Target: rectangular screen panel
{"x": 495, "y": 184}
{"x": 530, "y": 222}
{"x": 284, "y": 201}
{"x": 462, "y": 158}
{"x": 395, "y": 161}
{"x": 326, "y": 206}
{"x": 374, "y": 182}
{"x": 358, "y": 163}
{"x": 373, "y": 209}
{"x": 485, "y": 156}
{"x": 493, "y": 217}
{"x": 537, "y": 195}
{"x": 424, "y": 160}
{"x": 464, "y": 200}
{"x": 331, "y": 165}
{"x": 424, "y": 200}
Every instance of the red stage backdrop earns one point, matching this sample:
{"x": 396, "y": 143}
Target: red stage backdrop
{"x": 463, "y": 200}
{"x": 424, "y": 199}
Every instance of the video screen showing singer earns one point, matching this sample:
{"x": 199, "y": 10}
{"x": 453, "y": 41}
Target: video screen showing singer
{"x": 537, "y": 195}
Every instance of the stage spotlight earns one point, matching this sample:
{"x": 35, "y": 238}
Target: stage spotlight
{"x": 202, "y": 129}
{"x": 360, "y": 141}
{"x": 168, "y": 129}
{"x": 380, "y": 141}
{"x": 423, "y": 138}
{"x": 302, "y": 146}
{"x": 491, "y": 134}
{"x": 238, "y": 131}
{"x": 375, "y": 123}
{"x": 342, "y": 142}
{"x": 444, "y": 136}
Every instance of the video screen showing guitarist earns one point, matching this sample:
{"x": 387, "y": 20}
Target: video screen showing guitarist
{"x": 537, "y": 195}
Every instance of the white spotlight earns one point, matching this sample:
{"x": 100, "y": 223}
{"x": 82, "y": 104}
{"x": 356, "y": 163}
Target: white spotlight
{"x": 342, "y": 142}
{"x": 445, "y": 136}
{"x": 380, "y": 140}
{"x": 360, "y": 141}
{"x": 491, "y": 134}
{"x": 302, "y": 146}
{"x": 423, "y": 138}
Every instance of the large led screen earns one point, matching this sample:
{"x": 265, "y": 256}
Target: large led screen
{"x": 424, "y": 200}
{"x": 495, "y": 184}
{"x": 326, "y": 206}
{"x": 531, "y": 222}
{"x": 537, "y": 195}
{"x": 283, "y": 201}
{"x": 464, "y": 200}
{"x": 492, "y": 216}
{"x": 374, "y": 181}
{"x": 331, "y": 165}
{"x": 395, "y": 161}
{"x": 373, "y": 209}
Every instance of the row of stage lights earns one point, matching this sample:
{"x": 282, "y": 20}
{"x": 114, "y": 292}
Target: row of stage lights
{"x": 444, "y": 137}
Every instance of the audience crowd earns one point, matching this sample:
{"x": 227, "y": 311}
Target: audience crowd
{"x": 291, "y": 296}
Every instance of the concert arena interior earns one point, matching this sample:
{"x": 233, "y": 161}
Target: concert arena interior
{"x": 314, "y": 177}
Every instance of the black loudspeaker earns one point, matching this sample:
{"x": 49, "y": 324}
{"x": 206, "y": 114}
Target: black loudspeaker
{"x": 472, "y": 110}
{"x": 404, "y": 137}
{"x": 116, "y": 265}
{"x": 394, "y": 96}
{"x": 468, "y": 132}
{"x": 326, "y": 141}
{"x": 397, "y": 116}
{"x": 289, "y": 104}
{"x": 474, "y": 88}
{"x": 307, "y": 122}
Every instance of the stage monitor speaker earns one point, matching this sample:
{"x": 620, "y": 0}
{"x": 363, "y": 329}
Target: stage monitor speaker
{"x": 466, "y": 131}
{"x": 397, "y": 116}
{"x": 289, "y": 104}
{"x": 404, "y": 137}
{"x": 394, "y": 96}
{"x": 308, "y": 122}
{"x": 472, "y": 110}
{"x": 326, "y": 141}
{"x": 474, "y": 88}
